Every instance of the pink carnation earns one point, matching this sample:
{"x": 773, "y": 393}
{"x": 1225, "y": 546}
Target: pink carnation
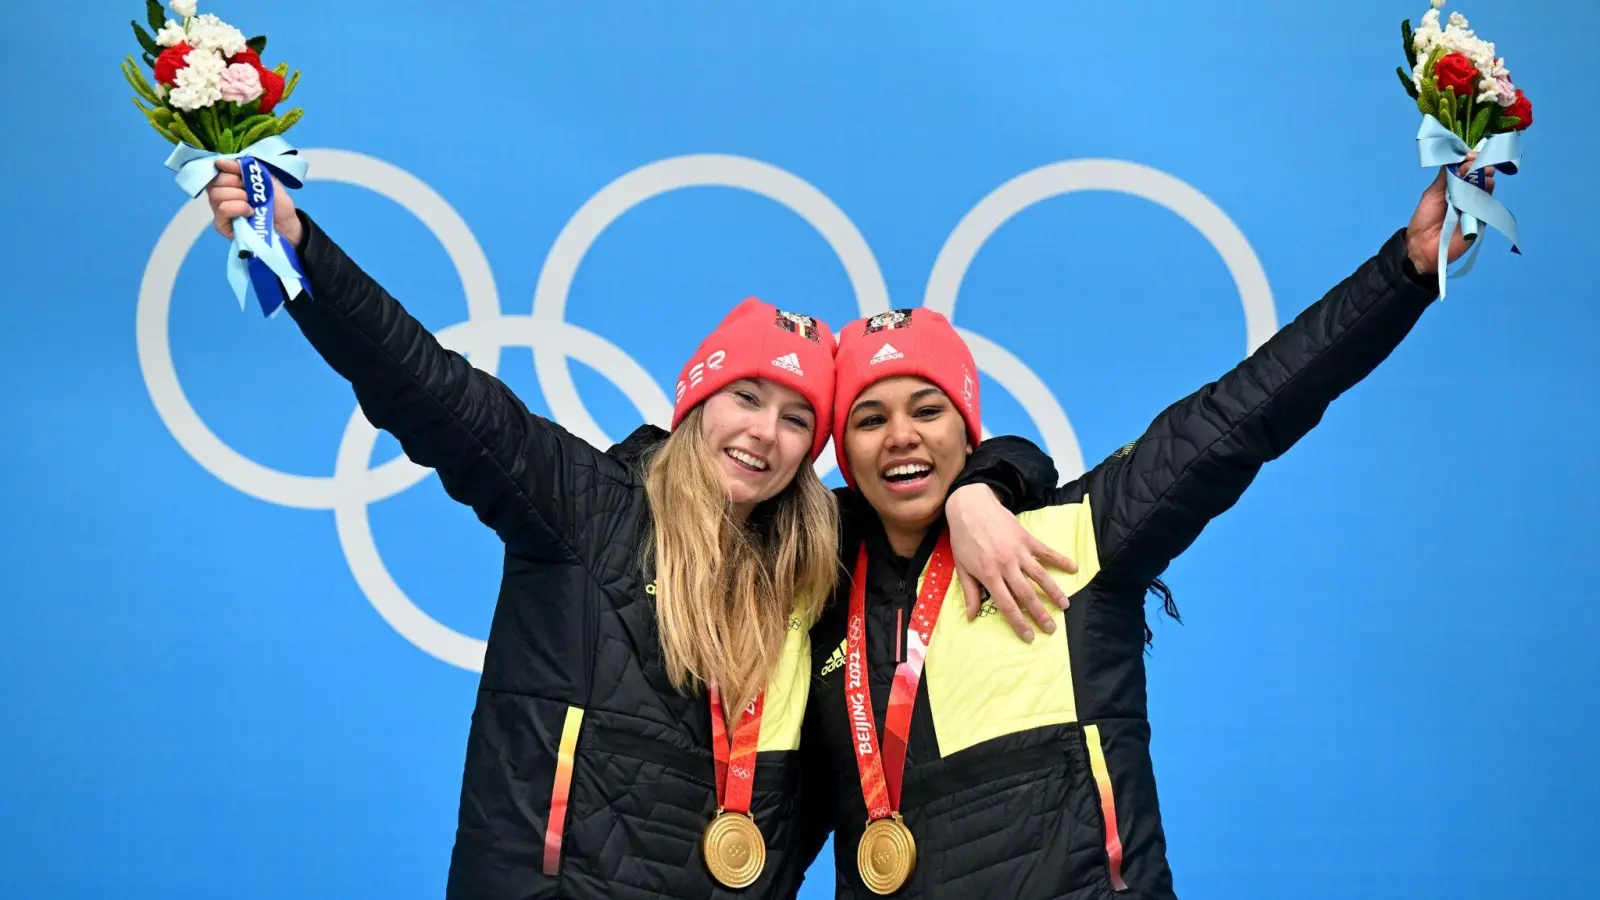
{"x": 240, "y": 83}
{"x": 1506, "y": 90}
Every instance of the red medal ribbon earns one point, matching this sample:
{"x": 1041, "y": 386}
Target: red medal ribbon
{"x": 736, "y": 765}
{"x": 883, "y": 771}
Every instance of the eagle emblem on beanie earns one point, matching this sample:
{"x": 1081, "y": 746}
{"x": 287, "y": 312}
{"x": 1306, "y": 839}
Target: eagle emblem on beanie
{"x": 894, "y": 318}
{"x": 805, "y": 326}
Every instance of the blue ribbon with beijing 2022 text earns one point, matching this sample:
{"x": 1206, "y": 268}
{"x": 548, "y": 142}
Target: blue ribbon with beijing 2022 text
{"x": 259, "y": 259}
{"x": 1466, "y": 200}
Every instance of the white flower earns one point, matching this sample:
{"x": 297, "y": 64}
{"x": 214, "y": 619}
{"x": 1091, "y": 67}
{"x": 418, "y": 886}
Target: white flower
{"x": 211, "y": 33}
{"x": 185, "y": 8}
{"x": 207, "y": 63}
{"x": 198, "y": 83}
{"x": 171, "y": 34}
{"x": 240, "y": 83}
{"x": 1458, "y": 20}
{"x": 1437, "y": 3}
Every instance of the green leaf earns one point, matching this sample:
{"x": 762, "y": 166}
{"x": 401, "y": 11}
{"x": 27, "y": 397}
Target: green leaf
{"x": 1409, "y": 37}
{"x": 155, "y": 14}
{"x": 1405, "y": 79}
{"x": 149, "y": 61}
{"x": 287, "y": 120}
{"x": 140, "y": 86}
{"x": 208, "y": 127}
{"x": 282, "y": 69}
{"x": 225, "y": 142}
{"x": 145, "y": 40}
{"x": 1429, "y": 102}
{"x": 1447, "y": 109}
{"x": 1437, "y": 53}
{"x": 161, "y": 118}
{"x": 250, "y": 122}
{"x": 1510, "y": 123}
{"x": 181, "y": 129}
{"x": 265, "y": 128}
{"x": 1480, "y": 124}
{"x": 164, "y": 132}
{"x": 258, "y": 44}
{"x": 288, "y": 86}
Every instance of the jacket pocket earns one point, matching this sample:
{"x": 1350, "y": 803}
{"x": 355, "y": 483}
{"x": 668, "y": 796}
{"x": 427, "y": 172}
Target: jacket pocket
{"x": 560, "y": 790}
{"x": 1010, "y": 818}
{"x": 640, "y": 804}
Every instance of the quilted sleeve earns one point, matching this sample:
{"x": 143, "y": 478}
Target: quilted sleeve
{"x": 1021, "y": 474}
{"x": 1152, "y": 498}
{"x": 519, "y": 472}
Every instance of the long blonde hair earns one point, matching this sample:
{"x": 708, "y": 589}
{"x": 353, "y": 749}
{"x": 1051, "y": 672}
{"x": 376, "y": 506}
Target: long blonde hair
{"x": 726, "y": 589}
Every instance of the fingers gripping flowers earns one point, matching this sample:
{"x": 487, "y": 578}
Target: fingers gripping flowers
{"x": 210, "y": 89}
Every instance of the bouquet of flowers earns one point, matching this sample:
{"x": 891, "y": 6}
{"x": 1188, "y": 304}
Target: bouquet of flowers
{"x": 1456, "y": 78}
{"x": 1469, "y": 105}
{"x": 213, "y": 98}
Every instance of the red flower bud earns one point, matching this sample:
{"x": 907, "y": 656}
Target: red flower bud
{"x": 170, "y": 62}
{"x": 1520, "y": 108}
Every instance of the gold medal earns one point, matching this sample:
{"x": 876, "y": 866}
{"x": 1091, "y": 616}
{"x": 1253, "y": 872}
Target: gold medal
{"x": 886, "y": 855}
{"x": 734, "y": 849}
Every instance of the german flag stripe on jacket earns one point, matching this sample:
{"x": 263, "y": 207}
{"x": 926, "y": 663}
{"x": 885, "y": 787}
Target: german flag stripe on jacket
{"x": 1028, "y": 770}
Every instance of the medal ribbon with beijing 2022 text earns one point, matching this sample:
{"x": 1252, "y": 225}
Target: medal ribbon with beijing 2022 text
{"x": 735, "y": 764}
{"x": 883, "y": 772}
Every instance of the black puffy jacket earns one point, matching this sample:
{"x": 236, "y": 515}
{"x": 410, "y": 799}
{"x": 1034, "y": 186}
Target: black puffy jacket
{"x": 1028, "y": 771}
{"x": 586, "y": 774}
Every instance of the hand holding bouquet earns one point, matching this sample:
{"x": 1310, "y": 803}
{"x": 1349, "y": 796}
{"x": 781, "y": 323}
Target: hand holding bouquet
{"x": 1472, "y": 113}
{"x": 214, "y": 99}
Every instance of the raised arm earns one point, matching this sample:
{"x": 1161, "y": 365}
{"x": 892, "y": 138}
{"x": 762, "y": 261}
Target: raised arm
{"x": 518, "y": 472}
{"x": 1152, "y": 498}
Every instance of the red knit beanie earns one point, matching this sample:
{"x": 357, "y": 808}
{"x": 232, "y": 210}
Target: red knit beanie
{"x": 758, "y": 340}
{"x": 917, "y": 342}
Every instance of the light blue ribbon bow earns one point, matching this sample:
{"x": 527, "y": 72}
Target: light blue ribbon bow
{"x": 196, "y": 168}
{"x": 1466, "y": 202}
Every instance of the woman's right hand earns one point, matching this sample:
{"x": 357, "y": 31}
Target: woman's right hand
{"x": 229, "y": 201}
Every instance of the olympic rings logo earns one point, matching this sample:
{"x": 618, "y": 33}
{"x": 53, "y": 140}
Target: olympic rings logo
{"x": 356, "y": 483}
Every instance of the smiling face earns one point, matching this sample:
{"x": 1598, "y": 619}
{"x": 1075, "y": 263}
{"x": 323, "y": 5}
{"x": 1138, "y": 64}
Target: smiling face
{"x": 905, "y": 443}
{"x": 761, "y": 433}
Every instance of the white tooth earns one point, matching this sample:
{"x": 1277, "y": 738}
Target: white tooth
{"x": 747, "y": 459}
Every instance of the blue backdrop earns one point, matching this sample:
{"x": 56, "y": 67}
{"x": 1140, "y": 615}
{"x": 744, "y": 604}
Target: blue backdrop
{"x": 238, "y": 663}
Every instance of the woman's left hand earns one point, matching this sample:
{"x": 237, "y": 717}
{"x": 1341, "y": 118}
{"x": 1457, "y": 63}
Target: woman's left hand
{"x": 993, "y": 551}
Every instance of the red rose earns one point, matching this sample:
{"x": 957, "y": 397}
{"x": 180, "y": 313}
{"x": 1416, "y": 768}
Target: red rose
{"x": 271, "y": 89}
{"x": 170, "y": 62}
{"x": 246, "y": 56}
{"x": 1520, "y": 108}
{"x": 1456, "y": 71}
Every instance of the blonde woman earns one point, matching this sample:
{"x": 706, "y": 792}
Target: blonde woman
{"x": 647, "y": 668}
